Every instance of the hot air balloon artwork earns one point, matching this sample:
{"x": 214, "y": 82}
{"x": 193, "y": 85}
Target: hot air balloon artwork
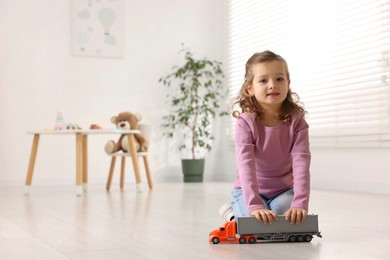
{"x": 107, "y": 18}
{"x": 97, "y": 28}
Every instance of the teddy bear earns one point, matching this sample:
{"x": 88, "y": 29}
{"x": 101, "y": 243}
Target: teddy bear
{"x": 126, "y": 121}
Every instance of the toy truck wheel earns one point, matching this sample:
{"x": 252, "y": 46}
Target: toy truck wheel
{"x": 308, "y": 238}
{"x": 300, "y": 238}
{"x": 292, "y": 239}
{"x": 215, "y": 240}
{"x": 252, "y": 240}
{"x": 242, "y": 240}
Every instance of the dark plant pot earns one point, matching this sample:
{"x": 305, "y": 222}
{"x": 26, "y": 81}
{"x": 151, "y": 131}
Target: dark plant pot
{"x": 192, "y": 170}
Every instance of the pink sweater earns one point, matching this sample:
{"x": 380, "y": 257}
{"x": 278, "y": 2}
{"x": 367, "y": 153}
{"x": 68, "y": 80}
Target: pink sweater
{"x": 271, "y": 160}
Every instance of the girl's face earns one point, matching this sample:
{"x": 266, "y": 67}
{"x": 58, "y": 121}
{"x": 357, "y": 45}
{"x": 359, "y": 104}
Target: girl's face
{"x": 270, "y": 84}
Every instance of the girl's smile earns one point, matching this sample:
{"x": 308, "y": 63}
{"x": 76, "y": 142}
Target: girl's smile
{"x": 272, "y": 94}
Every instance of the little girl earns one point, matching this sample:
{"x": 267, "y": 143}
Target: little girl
{"x": 272, "y": 145}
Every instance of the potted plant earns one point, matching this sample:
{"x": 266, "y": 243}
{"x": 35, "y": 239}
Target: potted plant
{"x": 196, "y": 94}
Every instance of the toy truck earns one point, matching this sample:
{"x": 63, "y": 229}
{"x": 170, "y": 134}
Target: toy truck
{"x": 249, "y": 230}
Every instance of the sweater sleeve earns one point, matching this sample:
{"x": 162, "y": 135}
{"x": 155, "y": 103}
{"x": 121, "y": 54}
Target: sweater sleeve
{"x": 245, "y": 160}
{"x": 301, "y": 157}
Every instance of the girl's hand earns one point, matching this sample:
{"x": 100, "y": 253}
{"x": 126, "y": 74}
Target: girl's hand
{"x": 296, "y": 215}
{"x": 264, "y": 215}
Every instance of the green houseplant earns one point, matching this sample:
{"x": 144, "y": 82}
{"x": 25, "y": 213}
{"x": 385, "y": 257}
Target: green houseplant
{"x": 196, "y": 94}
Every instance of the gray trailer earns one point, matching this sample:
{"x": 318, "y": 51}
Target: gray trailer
{"x": 280, "y": 230}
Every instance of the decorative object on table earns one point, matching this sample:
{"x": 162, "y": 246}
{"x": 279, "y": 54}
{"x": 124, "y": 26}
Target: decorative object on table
{"x": 126, "y": 121}
{"x": 60, "y": 123}
{"x": 95, "y": 127}
{"x": 98, "y": 28}
{"x": 72, "y": 126}
{"x": 196, "y": 94}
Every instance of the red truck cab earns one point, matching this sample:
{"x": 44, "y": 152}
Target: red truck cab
{"x": 227, "y": 234}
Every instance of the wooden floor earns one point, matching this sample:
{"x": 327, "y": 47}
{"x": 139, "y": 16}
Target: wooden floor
{"x": 173, "y": 222}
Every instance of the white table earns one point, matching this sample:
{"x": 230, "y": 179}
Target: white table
{"x": 81, "y": 154}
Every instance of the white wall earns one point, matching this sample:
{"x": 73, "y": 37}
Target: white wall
{"x": 39, "y": 76}
{"x": 353, "y": 169}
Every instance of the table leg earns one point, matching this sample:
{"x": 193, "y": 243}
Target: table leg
{"x": 31, "y": 164}
{"x": 134, "y": 159}
{"x": 79, "y": 164}
{"x": 85, "y": 162}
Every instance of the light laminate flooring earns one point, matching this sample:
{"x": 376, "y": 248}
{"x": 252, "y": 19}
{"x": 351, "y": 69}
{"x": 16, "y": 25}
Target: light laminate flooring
{"x": 173, "y": 222}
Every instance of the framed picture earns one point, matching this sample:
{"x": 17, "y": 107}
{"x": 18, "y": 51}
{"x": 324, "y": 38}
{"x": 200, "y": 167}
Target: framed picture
{"x": 97, "y": 28}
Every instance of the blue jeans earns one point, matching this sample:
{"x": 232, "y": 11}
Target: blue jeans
{"x": 278, "y": 204}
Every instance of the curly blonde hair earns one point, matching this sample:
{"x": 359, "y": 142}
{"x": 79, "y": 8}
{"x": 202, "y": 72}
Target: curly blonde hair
{"x": 248, "y": 103}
